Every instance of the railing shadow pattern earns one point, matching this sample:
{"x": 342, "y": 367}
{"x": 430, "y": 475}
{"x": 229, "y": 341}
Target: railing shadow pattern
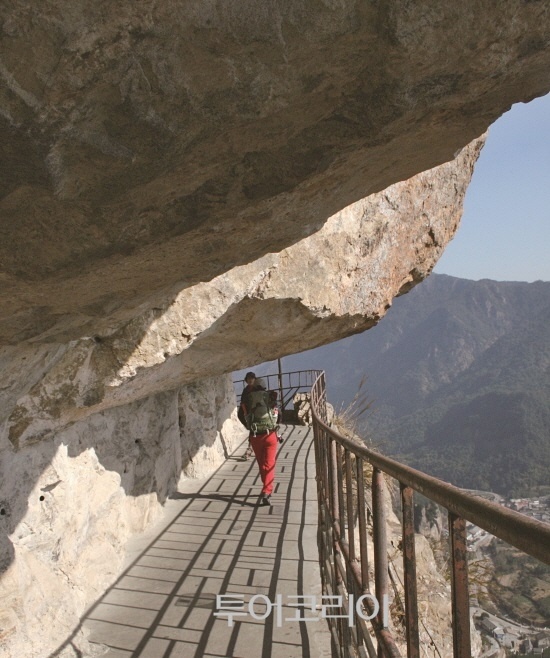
{"x": 342, "y": 540}
{"x": 221, "y": 542}
{"x": 163, "y": 605}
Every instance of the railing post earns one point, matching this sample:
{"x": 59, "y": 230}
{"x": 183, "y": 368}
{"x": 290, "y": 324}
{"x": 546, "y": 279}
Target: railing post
{"x": 459, "y": 587}
{"x": 350, "y": 506}
{"x": 380, "y": 547}
{"x": 344, "y": 628}
{"x": 336, "y": 520}
{"x": 361, "y": 504}
{"x": 318, "y": 441}
{"x": 281, "y": 399}
{"x": 322, "y": 400}
{"x": 409, "y": 572}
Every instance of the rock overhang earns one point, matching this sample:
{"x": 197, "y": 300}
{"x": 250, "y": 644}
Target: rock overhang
{"x": 332, "y": 284}
{"x": 150, "y": 148}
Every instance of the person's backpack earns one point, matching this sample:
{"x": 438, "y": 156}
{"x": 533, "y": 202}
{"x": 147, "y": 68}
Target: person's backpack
{"x": 260, "y": 417}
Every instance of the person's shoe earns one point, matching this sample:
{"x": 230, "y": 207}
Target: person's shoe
{"x": 266, "y": 499}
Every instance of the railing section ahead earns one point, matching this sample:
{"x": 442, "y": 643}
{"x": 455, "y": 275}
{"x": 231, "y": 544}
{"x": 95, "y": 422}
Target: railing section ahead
{"x": 342, "y": 539}
{"x": 286, "y": 383}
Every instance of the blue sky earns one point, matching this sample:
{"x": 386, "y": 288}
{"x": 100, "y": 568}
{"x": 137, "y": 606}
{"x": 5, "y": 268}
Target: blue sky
{"x": 505, "y": 230}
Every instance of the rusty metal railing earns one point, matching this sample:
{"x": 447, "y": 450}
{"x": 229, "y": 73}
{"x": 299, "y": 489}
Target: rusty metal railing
{"x": 342, "y": 539}
{"x": 286, "y": 383}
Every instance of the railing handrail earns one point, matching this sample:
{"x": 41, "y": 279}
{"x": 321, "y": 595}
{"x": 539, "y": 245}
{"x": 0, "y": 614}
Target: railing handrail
{"x": 529, "y": 535}
{"x": 311, "y": 373}
{"x": 274, "y": 375}
{"x": 345, "y": 567}
{"x": 305, "y": 379}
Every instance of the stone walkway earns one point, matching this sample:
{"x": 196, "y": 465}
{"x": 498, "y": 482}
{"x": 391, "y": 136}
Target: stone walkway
{"x": 217, "y": 541}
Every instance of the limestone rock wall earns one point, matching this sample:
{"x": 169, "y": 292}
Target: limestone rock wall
{"x": 95, "y": 433}
{"x": 68, "y": 506}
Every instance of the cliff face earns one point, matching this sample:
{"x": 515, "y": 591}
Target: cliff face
{"x": 171, "y": 209}
{"x": 69, "y": 506}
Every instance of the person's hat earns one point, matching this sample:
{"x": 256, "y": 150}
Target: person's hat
{"x": 260, "y": 382}
{"x": 249, "y": 374}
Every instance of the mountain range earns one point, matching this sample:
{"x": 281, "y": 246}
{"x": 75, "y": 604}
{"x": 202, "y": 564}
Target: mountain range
{"x": 458, "y": 376}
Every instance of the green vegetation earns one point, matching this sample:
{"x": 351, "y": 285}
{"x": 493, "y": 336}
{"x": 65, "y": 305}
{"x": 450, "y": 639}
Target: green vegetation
{"x": 459, "y": 377}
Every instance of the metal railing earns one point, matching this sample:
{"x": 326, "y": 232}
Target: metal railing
{"x": 286, "y": 383}
{"x": 342, "y": 539}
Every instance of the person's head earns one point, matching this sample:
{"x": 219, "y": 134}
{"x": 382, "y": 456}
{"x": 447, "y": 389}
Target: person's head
{"x": 260, "y": 383}
{"x": 249, "y": 378}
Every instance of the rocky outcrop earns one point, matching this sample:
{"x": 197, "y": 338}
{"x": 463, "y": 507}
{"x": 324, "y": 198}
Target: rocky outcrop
{"x": 369, "y": 252}
{"x": 302, "y": 409}
{"x": 113, "y": 406}
{"x": 111, "y": 400}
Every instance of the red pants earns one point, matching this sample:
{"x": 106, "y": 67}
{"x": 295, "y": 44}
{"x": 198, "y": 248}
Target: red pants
{"x": 265, "y": 449}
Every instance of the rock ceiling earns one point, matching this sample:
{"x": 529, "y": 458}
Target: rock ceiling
{"x": 147, "y": 147}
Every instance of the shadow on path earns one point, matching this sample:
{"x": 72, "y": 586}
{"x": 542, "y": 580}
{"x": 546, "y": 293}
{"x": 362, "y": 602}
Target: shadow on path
{"x": 220, "y": 541}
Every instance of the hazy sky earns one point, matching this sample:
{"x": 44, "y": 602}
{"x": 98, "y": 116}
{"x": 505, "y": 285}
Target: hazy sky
{"x": 505, "y": 229}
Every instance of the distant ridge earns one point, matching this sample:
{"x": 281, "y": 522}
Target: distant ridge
{"x": 459, "y": 375}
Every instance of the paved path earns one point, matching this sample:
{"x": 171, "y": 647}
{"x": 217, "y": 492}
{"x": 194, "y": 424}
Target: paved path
{"x": 216, "y": 540}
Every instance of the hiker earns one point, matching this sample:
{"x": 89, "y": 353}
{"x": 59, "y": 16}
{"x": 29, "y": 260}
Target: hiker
{"x": 262, "y": 425}
{"x": 250, "y": 379}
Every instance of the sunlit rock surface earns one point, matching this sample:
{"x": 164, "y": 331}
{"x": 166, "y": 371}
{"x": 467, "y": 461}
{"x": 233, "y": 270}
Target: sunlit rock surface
{"x": 337, "y": 282}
